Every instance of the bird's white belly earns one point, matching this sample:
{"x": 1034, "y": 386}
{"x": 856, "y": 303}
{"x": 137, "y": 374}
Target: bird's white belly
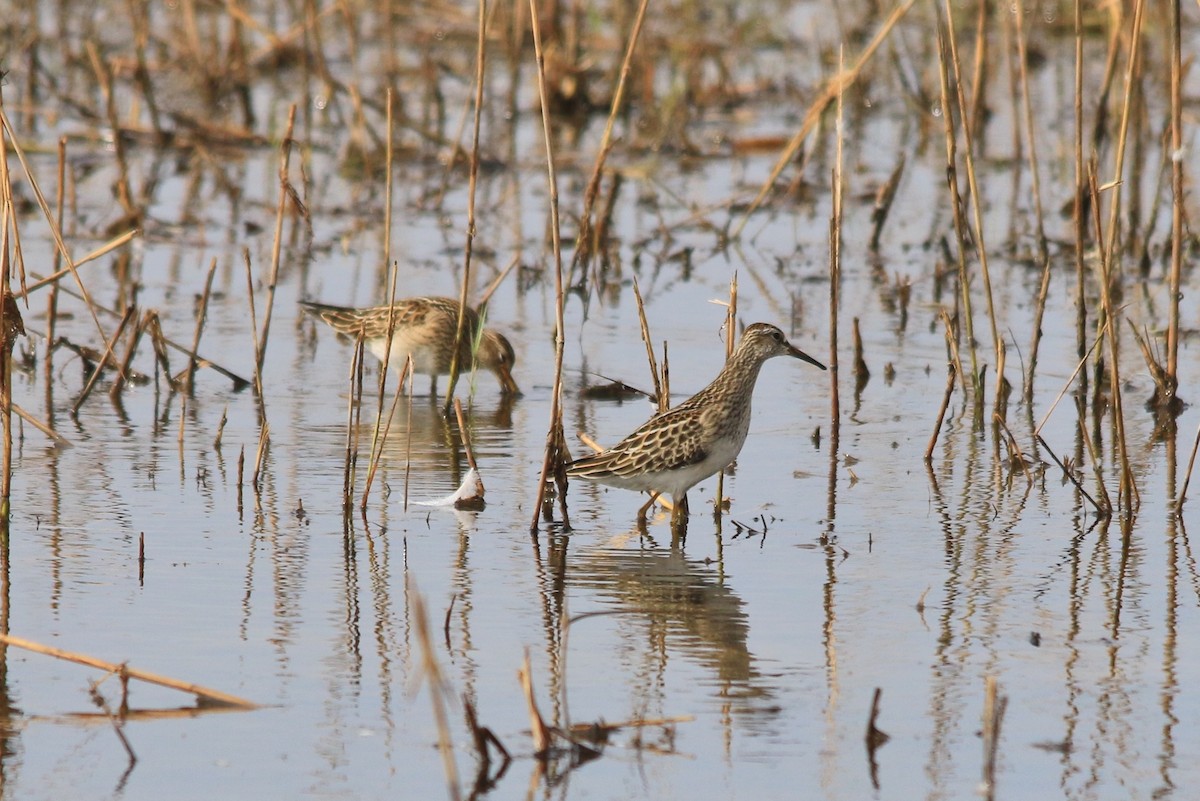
{"x": 424, "y": 357}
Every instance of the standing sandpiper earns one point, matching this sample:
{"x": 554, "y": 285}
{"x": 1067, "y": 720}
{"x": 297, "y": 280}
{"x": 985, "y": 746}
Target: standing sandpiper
{"x": 424, "y": 330}
{"x": 676, "y": 449}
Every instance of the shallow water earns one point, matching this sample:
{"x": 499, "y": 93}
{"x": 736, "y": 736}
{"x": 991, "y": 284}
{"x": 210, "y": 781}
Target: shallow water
{"x": 754, "y": 647}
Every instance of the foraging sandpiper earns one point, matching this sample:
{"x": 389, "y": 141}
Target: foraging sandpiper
{"x": 676, "y": 449}
{"x": 425, "y": 329}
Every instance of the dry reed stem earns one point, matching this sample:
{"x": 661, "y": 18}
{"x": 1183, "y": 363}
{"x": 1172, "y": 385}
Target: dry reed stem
{"x": 491, "y": 288}
{"x": 258, "y": 387}
{"x": 976, "y": 115}
{"x": 55, "y": 230}
{"x": 104, "y": 249}
{"x": 542, "y": 736}
{"x": 835, "y": 276}
{"x": 1071, "y": 477}
{"x": 1078, "y": 216}
{"x": 660, "y": 399}
{"x": 10, "y": 327}
{"x": 380, "y": 441}
{"x": 956, "y": 205}
{"x": 201, "y": 316}
{"x": 105, "y": 359}
{"x": 884, "y": 197}
{"x": 59, "y": 439}
{"x": 583, "y": 239}
{"x": 941, "y": 417}
{"x": 117, "y": 722}
{"x": 408, "y": 431}
{"x": 1013, "y": 447}
{"x": 952, "y": 346}
{"x": 203, "y": 694}
{"x": 472, "y": 184}
{"x": 1127, "y": 111}
{"x": 1035, "y": 177}
{"x": 104, "y": 79}
{"x": 377, "y": 440}
{"x": 260, "y": 456}
{"x": 1107, "y": 505}
{"x": 730, "y": 335}
{"x": 973, "y": 185}
{"x": 353, "y": 403}
{"x": 465, "y": 435}
{"x": 437, "y": 690}
{"x": 1177, "y": 198}
{"x": 1071, "y": 379}
{"x": 285, "y": 154}
{"x": 1187, "y": 476}
{"x": 829, "y": 92}
{"x": 1128, "y": 489}
{"x": 555, "y": 444}
{"x": 52, "y": 299}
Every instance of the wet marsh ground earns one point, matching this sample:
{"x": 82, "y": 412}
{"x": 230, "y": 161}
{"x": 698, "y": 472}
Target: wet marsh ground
{"x": 1025, "y": 598}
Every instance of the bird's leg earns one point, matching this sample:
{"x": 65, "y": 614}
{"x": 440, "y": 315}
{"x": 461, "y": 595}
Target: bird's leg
{"x": 641, "y": 515}
{"x": 679, "y": 519}
{"x": 433, "y": 385}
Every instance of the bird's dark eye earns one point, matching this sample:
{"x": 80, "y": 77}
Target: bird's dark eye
{"x": 775, "y": 335}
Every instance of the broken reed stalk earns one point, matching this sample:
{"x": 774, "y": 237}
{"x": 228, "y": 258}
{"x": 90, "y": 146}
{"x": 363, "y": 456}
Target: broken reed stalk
{"x": 437, "y": 691}
{"x": 204, "y": 695}
{"x": 941, "y": 417}
{"x": 105, "y": 359}
{"x": 884, "y": 198}
{"x": 828, "y": 93}
{"x": 542, "y": 736}
{"x": 464, "y": 435}
{"x": 238, "y": 382}
{"x": 972, "y": 183}
{"x": 472, "y": 184}
{"x": 1071, "y": 476}
{"x": 661, "y": 402}
{"x": 583, "y": 241}
{"x": 1071, "y": 379}
{"x": 555, "y": 444}
{"x": 258, "y": 386}
{"x": 380, "y": 437}
{"x": 201, "y": 316}
{"x": 285, "y": 191}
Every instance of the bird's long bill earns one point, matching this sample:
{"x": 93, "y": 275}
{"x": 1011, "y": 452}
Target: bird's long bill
{"x": 799, "y": 354}
{"x": 507, "y": 384}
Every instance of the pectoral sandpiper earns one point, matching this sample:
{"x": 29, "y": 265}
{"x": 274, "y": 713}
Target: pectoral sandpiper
{"x": 424, "y": 329}
{"x": 676, "y": 449}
